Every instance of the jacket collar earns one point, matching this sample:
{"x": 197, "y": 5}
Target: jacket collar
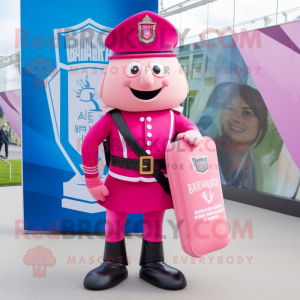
{"x": 109, "y": 108}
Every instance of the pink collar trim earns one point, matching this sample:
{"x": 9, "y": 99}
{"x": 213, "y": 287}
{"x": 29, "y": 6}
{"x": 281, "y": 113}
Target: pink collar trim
{"x": 109, "y": 108}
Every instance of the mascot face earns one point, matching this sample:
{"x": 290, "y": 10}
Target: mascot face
{"x": 143, "y": 84}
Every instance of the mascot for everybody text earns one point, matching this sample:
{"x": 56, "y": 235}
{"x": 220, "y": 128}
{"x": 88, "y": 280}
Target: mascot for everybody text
{"x": 142, "y": 89}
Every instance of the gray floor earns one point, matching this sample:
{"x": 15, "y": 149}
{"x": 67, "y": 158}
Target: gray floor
{"x": 14, "y": 151}
{"x": 274, "y": 271}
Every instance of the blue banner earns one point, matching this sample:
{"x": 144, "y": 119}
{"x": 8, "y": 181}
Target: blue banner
{"x": 63, "y": 57}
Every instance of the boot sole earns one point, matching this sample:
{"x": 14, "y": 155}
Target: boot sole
{"x": 164, "y": 288}
{"x": 106, "y": 287}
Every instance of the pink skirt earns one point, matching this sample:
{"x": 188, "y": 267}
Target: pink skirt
{"x": 135, "y": 197}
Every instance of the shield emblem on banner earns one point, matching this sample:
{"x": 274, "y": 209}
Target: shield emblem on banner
{"x": 80, "y": 66}
{"x": 147, "y": 30}
{"x": 200, "y": 163}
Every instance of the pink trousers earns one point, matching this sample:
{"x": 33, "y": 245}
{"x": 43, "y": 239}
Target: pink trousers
{"x": 115, "y": 226}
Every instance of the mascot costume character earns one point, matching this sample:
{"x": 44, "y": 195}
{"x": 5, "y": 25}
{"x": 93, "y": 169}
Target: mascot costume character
{"x": 142, "y": 90}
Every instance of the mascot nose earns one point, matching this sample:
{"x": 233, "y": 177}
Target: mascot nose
{"x": 146, "y": 78}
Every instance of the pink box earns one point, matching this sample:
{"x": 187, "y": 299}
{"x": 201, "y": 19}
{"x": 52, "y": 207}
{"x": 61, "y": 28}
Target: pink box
{"x": 196, "y": 189}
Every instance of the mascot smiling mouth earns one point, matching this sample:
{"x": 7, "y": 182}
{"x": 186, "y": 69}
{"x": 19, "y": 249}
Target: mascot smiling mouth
{"x": 145, "y": 95}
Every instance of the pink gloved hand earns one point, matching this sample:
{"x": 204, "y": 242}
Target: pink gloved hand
{"x": 193, "y": 137}
{"x": 97, "y": 189}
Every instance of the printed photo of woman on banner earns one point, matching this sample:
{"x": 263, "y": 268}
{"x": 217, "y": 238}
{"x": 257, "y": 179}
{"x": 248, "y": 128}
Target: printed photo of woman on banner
{"x": 227, "y": 106}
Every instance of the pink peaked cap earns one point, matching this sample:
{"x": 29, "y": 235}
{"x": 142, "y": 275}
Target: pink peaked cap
{"x": 145, "y": 34}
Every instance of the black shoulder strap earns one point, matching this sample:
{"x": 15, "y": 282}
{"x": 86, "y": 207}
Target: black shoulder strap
{"x": 136, "y": 147}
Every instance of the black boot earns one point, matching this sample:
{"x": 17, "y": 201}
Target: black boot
{"x": 156, "y": 271}
{"x": 113, "y": 269}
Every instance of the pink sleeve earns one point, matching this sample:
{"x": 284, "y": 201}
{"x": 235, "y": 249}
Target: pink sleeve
{"x": 183, "y": 124}
{"x": 96, "y": 135}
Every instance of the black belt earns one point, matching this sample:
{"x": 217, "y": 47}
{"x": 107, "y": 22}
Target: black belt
{"x": 145, "y": 165}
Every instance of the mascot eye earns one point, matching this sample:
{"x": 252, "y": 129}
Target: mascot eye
{"x": 158, "y": 68}
{"x": 133, "y": 68}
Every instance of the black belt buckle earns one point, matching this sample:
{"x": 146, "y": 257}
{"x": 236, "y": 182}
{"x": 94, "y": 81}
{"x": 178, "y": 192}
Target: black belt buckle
{"x": 146, "y": 165}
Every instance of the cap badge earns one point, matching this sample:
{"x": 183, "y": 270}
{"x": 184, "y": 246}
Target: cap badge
{"x": 147, "y": 29}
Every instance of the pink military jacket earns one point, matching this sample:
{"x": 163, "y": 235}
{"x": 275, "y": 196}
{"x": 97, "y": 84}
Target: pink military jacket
{"x": 153, "y": 130}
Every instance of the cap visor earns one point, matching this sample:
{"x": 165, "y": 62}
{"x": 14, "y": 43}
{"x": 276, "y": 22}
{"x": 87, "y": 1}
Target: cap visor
{"x": 143, "y": 55}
